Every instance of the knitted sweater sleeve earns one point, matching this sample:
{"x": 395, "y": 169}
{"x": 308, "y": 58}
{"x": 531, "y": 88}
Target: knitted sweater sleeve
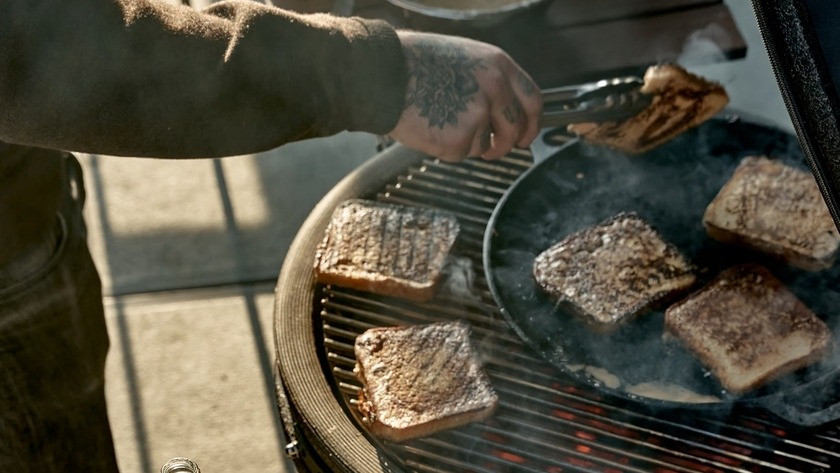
{"x": 147, "y": 78}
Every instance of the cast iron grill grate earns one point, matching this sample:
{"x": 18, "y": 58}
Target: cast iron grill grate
{"x": 545, "y": 423}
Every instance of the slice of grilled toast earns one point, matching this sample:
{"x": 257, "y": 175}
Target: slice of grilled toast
{"x": 775, "y": 208}
{"x": 748, "y": 328}
{"x": 613, "y": 271}
{"x": 681, "y": 101}
{"x": 419, "y": 380}
{"x": 387, "y": 249}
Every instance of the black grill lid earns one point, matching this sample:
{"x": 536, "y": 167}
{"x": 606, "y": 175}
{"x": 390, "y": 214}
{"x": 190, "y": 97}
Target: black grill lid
{"x": 802, "y": 38}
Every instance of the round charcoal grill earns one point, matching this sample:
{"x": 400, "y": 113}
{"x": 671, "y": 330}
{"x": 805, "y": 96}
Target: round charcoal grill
{"x": 545, "y": 422}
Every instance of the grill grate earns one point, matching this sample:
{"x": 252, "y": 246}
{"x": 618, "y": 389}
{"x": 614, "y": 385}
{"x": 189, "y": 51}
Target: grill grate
{"x": 544, "y": 423}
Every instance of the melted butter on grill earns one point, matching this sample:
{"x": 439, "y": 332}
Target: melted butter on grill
{"x": 670, "y": 392}
{"x": 601, "y": 374}
{"x": 650, "y": 389}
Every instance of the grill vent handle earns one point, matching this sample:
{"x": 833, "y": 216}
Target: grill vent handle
{"x": 180, "y": 465}
{"x": 293, "y": 448}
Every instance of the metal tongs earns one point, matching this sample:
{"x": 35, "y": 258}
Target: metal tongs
{"x": 605, "y": 100}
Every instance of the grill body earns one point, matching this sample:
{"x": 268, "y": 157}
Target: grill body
{"x": 545, "y": 423}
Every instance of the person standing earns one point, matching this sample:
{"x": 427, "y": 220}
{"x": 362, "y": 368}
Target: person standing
{"x": 145, "y": 78}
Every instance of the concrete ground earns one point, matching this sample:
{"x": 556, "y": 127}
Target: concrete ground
{"x": 189, "y": 251}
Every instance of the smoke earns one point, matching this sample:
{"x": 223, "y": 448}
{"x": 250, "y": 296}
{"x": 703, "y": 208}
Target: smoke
{"x": 701, "y": 47}
{"x": 459, "y": 279}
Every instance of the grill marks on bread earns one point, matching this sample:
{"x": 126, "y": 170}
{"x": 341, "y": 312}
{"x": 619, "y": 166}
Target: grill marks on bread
{"x": 681, "y": 101}
{"x": 748, "y": 328}
{"x": 418, "y": 380}
{"x": 386, "y": 248}
{"x": 777, "y": 209}
{"x": 613, "y": 271}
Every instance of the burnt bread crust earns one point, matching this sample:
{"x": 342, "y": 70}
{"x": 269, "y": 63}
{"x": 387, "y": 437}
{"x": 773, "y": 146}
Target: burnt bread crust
{"x": 771, "y": 207}
{"x": 387, "y": 249}
{"x": 613, "y": 271}
{"x": 748, "y": 328}
{"x": 681, "y": 101}
{"x": 419, "y": 380}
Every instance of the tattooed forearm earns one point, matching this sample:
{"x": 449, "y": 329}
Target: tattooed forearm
{"x": 441, "y": 81}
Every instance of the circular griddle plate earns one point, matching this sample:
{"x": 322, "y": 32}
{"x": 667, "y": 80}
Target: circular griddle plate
{"x": 670, "y": 187}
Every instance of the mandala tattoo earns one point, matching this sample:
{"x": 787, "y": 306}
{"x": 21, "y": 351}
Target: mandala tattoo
{"x": 443, "y": 81}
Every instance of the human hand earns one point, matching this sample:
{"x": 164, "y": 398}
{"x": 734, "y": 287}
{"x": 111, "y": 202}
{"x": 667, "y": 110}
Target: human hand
{"x": 465, "y": 99}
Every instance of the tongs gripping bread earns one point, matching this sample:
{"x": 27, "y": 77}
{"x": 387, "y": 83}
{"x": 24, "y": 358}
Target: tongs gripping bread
{"x": 387, "y": 249}
{"x": 632, "y": 117}
{"x": 604, "y": 100}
